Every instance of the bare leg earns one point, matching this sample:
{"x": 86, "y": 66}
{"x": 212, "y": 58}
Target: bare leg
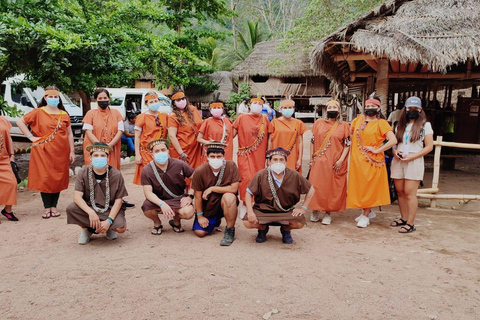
{"x": 293, "y": 225}
{"x": 153, "y": 215}
{"x": 411, "y": 187}
{"x": 229, "y": 206}
{"x": 121, "y": 230}
{"x": 200, "y": 233}
{"x": 366, "y": 211}
{"x": 250, "y": 225}
{"x": 8, "y": 209}
{"x": 402, "y": 200}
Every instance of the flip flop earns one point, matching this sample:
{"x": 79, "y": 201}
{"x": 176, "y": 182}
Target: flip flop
{"x": 156, "y": 231}
{"x": 55, "y": 214}
{"x": 174, "y": 226}
{"x": 47, "y": 215}
{"x": 398, "y": 222}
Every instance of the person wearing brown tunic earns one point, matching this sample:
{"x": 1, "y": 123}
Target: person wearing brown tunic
{"x": 272, "y": 195}
{"x": 98, "y": 206}
{"x": 163, "y": 181}
{"x": 216, "y": 188}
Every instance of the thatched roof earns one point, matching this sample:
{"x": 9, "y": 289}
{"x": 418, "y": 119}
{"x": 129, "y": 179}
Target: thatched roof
{"x": 225, "y": 83}
{"x": 268, "y": 60}
{"x": 435, "y": 33}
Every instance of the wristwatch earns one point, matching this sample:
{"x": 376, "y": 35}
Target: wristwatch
{"x": 190, "y": 195}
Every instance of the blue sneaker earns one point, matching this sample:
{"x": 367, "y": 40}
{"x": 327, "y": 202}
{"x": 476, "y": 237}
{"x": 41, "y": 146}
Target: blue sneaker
{"x": 286, "y": 236}
{"x": 262, "y": 235}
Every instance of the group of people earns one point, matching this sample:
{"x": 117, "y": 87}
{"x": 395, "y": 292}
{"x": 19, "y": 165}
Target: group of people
{"x": 185, "y": 165}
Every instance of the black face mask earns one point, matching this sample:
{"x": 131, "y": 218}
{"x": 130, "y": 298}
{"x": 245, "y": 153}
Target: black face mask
{"x": 103, "y": 104}
{"x": 371, "y": 112}
{"x": 332, "y": 114}
{"x": 412, "y": 114}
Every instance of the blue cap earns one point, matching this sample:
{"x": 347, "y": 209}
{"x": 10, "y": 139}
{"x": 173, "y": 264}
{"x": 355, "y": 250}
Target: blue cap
{"x": 413, "y": 102}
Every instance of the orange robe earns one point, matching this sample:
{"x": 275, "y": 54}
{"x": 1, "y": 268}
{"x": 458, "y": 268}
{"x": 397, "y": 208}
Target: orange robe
{"x": 253, "y": 135}
{"x": 150, "y": 131}
{"x": 49, "y": 156}
{"x": 367, "y": 176}
{"x": 212, "y": 129}
{"x": 286, "y": 134}
{"x": 8, "y": 182}
{"x": 187, "y": 137}
{"x": 330, "y": 186}
{"x": 105, "y": 127}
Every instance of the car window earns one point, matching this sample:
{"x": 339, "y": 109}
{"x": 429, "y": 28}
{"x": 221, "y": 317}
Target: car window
{"x": 116, "y": 101}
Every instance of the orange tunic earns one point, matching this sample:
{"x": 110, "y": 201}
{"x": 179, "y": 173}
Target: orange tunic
{"x": 212, "y": 129}
{"x": 49, "y": 156}
{"x": 105, "y": 127}
{"x": 150, "y": 131}
{"x": 187, "y": 137}
{"x": 8, "y": 182}
{"x": 367, "y": 176}
{"x": 252, "y": 135}
{"x": 330, "y": 187}
{"x": 286, "y": 134}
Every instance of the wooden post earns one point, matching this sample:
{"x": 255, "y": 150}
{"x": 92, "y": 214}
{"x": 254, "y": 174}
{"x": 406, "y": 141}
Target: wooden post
{"x": 436, "y": 168}
{"x": 381, "y": 86}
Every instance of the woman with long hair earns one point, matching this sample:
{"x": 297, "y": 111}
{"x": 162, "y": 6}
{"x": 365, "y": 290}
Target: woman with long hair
{"x": 367, "y": 176}
{"x": 415, "y": 139}
{"x": 328, "y": 168}
{"x": 217, "y": 128}
{"x": 8, "y": 182}
{"x": 103, "y": 124}
{"x": 50, "y": 131}
{"x": 183, "y": 126}
{"x": 150, "y": 125}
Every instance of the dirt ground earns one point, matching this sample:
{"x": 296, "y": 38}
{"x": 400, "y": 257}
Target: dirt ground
{"x": 329, "y": 272}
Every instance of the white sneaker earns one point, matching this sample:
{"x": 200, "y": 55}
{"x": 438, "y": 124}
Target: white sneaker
{"x": 315, "y": 216}
{"x": 84, "y": 236}
{"x": 371, "y": 215}
{"x": 363, "y": 222}
{"x": 111, "y": 235}
{"x": 327, "y": 219}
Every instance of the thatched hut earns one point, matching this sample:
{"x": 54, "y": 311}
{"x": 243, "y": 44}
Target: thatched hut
{"x": 275, "y": 73}
{"x": 225, "y": 83}
{"x": 409, "y": 47}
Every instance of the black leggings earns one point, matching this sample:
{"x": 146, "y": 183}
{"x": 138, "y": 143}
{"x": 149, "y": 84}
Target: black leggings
{"x": 50, "y": 200}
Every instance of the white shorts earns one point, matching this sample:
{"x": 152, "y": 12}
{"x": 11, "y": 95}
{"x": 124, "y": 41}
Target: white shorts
{"x": 412, "y": 170}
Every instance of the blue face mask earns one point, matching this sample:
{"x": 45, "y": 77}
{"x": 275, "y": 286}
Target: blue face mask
{"x": 99, "y": 163}
{"x": 161, "y": 157}
{"x": 53, "y": 101}
{"x": 154, "y": 107}
{"x": 287, "y": 112}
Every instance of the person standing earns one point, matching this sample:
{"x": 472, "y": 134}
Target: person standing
{"x": 328, "y": 165}
{"x": 367, "y": 176}
{"x": 8, "y": 182}
{"x": 415, "y": 139}
{"x": 103, "y": 124}
{"x": 217, "y": 128}
{"x": 287, "y": 132}
{"x": 150, "y": 125}
{"x": 183, "y": 126}
{"x": 50, "y": 133}
{"x": 394, "y": 115}
{"x": 252, "y": 130}
{"x": 128, "y": 136}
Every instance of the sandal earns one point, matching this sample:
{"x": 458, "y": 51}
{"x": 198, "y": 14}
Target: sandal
{"x": 9, "y": 215}
{"x": 397, "y": 223}
{"x": 47, "y": 215}
{"x": 156, "y": 231}
{"x": 55, "y": 214}
{"x": 177, "y": 229}
{"x": 410, "y": 228}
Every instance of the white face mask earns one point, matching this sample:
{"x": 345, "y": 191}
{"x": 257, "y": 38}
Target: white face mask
{"x": 256, "y": 108}
{"x": 215, "y": 163}
{"x": 277, "y": 167}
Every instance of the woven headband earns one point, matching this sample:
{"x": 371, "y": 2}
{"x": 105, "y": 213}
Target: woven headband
{"x": 287, "y": 103}
{"x": 178, "y": 95}
{"x": 52, "y": 92}
{"x": 151, "y": 97}
{"x": 153, "y": 143}
{"x": 256, "y": 100}
{"x": 216, "y": 104}
{"x": 333, "y": 102}
{"x": 373, "y": 101}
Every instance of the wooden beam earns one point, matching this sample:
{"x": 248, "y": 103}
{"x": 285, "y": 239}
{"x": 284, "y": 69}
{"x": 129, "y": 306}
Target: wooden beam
{"x": 403, "y": 67}
{"x": 395, "y": 65}
{"x": 424, "y": 69}
{"x": 355, "y": 57}
{"x": 373, "y": 64}
{"x": 412, "y": 66}
{"x": 400, "y": 75}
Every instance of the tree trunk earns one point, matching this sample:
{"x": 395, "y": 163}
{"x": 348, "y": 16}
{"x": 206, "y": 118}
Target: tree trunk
{"x": 381, "y": 86}
{"x": 85, "y": 102}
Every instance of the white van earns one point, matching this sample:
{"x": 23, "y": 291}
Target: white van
{"x": 131, "y": 100}
{"x": 26, "y": 99}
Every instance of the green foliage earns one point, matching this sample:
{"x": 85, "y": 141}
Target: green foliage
{"x": 5, "y": 109}
{"x": 244, "y": 92}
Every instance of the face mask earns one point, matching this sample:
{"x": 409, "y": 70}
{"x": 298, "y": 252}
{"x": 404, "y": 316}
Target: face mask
{"x": 277, "y": 167}
{"x": 287, "y": 112}
{"x": 256, "y": 108}
{"x": 215, "y": 163}
{"x": 332, "y": 114}
{"x": 53, "y": 101}
{"x": 413, "y": 114}
{"x": 181, "y": 104}
{"x": 103, "y": 104}
{"x": 161, "y": 157}
{"x": 371, "y": 112}
{"x": 99, "y": 163}
{"x": 164, "y": 109}
{"x": 154, "y": 107}
{"x": 216, "y": 113}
